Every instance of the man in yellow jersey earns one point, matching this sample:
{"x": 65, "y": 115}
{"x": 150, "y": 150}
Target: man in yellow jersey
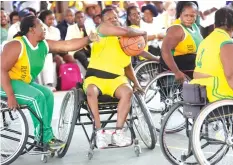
{"x": 107, "y": 74}
{"x": 180, "y": 45}
{"x": 214, "y": 62}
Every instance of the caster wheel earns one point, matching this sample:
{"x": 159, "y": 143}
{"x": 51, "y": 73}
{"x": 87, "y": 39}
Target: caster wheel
{"x": 44, "y": 158}
{"x": 90, "y": 154}
{"x": 137, "y": 150}
{"x": 136, "y": 142}
{"x": 52, "y": 154}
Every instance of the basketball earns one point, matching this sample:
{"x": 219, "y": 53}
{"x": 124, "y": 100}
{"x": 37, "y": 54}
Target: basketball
{"x": 132, "y": 46}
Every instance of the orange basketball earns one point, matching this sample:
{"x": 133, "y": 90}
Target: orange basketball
{"x": 132, "y": 46}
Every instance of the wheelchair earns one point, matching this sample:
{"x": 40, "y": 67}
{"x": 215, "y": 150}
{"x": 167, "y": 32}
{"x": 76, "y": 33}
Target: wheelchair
{"x": 161, "y": 93}
{"x": 145, "y": 71}
{"x": 213, "y": 128}
{"x": 15, "y": 137}
{"x": 196, "y": 123}
{"x": 80, "y": 114}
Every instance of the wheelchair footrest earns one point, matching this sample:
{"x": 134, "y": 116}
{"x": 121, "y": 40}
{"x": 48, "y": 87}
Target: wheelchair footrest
{"x": 110, "y": 146}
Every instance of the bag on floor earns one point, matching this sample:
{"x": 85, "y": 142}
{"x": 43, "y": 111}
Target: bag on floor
{"x": 69, "y": 75}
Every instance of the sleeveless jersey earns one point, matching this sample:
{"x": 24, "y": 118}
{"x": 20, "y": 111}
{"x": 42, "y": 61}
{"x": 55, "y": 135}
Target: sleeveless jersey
{"x": 30, "y": 61}
{"x": 191, "y": 41}
{"x": 107, "y": 55}
{"x": 208, "y": 61}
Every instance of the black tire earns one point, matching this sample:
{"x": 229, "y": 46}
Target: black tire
{"x": 76, "y": 108}
{"x": 24, "y": 141}
{"x": 171, "y": 158}
{"x": 152, "y": 67}
{"x": 161, "y": 113}
{"x": 197, "y": 129}
{"x": 149, "y": 122}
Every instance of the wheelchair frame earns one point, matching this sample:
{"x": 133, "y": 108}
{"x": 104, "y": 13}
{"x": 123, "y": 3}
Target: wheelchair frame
{"x": 41, "y": 148}
{"x": 105, "y": 108}
{"x": 189, "y": 134}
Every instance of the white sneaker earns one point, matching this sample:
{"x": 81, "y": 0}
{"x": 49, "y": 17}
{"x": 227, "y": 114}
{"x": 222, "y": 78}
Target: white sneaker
{"x": 119, "y": 139}
{"x": 101, "y": 140}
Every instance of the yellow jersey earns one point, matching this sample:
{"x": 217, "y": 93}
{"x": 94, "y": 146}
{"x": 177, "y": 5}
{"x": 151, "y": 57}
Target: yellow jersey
{"x": 208, "y": 61}
{"x": 107, "y": 55}
{"x": 191, "y": 41}
{"x": 30, "y": 61}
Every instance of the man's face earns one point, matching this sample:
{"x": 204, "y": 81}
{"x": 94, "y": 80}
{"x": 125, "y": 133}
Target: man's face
{"x": 69, "y": 17}
{"x": 80, "y": 19}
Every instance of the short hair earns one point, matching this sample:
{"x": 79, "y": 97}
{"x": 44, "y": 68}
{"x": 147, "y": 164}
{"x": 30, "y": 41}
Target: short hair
{"x": 12, "y": 14}
{"x": 224, "y": 17}
{"x": 107, "y": 9}
{"x": 79, "y": 12}
{"x": 182, "y": 4}
{"x": 44, "y": 14}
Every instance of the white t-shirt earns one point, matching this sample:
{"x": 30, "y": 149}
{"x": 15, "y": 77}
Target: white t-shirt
{"x": 152, "y": 29}
{"x": 13, "y": 30}
{"x": 206, "y": 5}
{"x": 52, "y": 33}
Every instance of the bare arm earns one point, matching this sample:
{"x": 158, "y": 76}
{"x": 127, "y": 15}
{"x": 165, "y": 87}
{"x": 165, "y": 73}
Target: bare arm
{"x": 68, "y": 45}
{"x": 210, "y": 11}
{"x": 110, "y": 30}
{"x": 130, "y": 74}
{"x": 8, "y": 59}
{"x": 174, "y": 35}
{"x": 227, "y": 62}
{"x": 149, "y": 56}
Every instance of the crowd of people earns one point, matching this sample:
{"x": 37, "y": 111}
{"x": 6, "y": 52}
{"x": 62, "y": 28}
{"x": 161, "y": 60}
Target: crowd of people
{"x": 177, "y": 31}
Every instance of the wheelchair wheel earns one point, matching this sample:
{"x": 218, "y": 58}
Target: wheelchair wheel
{"x": 14, "y": 133}
{"x": 212, "y": 134}
{"x": 143, "y": 121}
{"x": 174, "y": 146}
{"x": 67, "y": 120}
{"x": 146, "y": 71}
{"x": 161, "y": 93}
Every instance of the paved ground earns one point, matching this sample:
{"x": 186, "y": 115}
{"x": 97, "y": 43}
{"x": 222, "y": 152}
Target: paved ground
{"x": 77, "y": 154}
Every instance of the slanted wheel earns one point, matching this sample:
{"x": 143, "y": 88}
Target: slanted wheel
{"x": 143, "y": 121}
{"x": 68, "y": 117}
{"x": 14, "y": 134}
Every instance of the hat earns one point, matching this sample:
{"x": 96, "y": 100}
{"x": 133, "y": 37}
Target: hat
{"x": 24, "y": 13}
{"x": 88, "y": 4}
{"x": 152, "y": 8}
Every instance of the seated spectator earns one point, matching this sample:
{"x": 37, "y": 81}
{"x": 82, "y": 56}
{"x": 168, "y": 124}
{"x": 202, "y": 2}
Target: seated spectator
{"x": 68, "y": 20}
{"x": 79, "y": 30}
{"x": 169, "y": 15}
{"x": 97, "y": 20}
{"x": 52, "y": 33}
{"x": 15, "y": 28}
{"x": 4, "y": 26}
{"x": 153, "y": 29}
{"x": 14, "y": 17}
{"x": 90, "y": 10}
